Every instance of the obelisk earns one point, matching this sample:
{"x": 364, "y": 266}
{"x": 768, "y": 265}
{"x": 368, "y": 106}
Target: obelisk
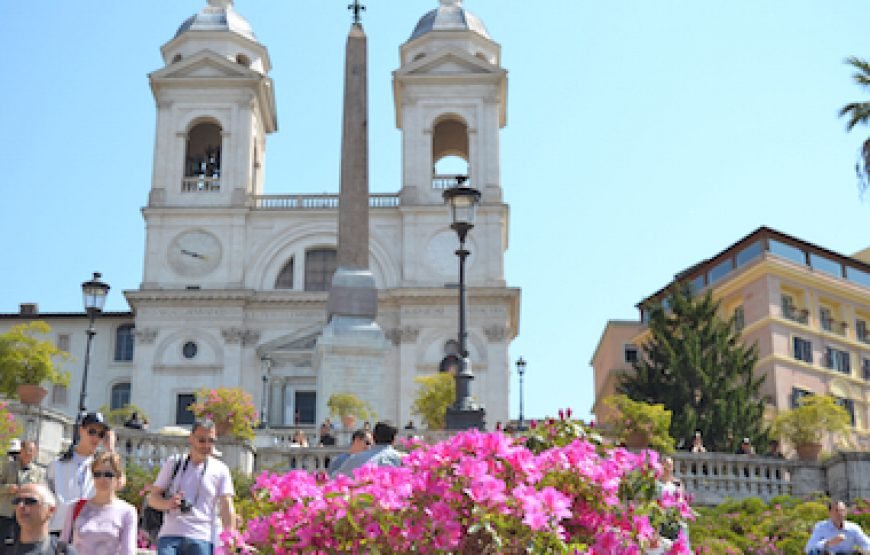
{"x": 351, "y": 352}
{"x": 353, "y": 298}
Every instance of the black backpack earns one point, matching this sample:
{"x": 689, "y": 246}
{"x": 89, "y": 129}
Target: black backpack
{"x": 152, "y": 519}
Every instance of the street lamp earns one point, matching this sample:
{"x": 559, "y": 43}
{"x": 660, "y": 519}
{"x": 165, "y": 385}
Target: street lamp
{"x": 521, "y": 371}
{"x": 264, "y": 406}
{"x": 94, "y": 293}
{"x": 464, "y": 413}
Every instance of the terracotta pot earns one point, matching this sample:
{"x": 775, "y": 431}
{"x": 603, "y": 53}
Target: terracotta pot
{"x": 809, "y": 451}
{"x": 637, "y": 439}
{"x": 222, "y": 428}
{"x": 31, "y": 394}
{"x": 348, "y": 421}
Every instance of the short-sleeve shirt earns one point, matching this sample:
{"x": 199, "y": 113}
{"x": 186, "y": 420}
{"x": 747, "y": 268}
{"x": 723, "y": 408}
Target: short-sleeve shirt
{"x": 203, "y": 485}
{"x": 70, "y": 480}
{"x": 103, "y": 529}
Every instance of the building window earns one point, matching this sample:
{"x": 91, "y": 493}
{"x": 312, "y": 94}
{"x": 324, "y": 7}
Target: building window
{"x": 630, "y": 354}
{"x": 285, "y": 278}
{"x": 320, "y": 264}
{"x": 803, "y": 350}
{"x": 183, "y": 415}
{"x": 189, "y": 350}
{"x": 739, "y": 318}
{"x": 849, "y": 405}
{"x": 305, "y": 405}
{"x": 790, "y": 310}
{"x": 865, "y": 368}
{"x": 861, "y": 331}
{"x": 838, "y": 360}
{"x": 120, "y": 395}
{"x": 58, "y": 394}
{"x": 124, "y": 343}
{"x": 825, "y": 318}
{"x": 63, "y": 342}
{"x": 796, "y": 395}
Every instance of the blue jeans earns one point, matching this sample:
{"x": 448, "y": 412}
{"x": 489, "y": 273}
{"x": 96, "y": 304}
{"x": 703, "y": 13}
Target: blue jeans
{"x": 178, "y": 545}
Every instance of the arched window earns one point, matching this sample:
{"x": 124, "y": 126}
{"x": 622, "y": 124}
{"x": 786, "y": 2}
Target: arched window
{"x": 202, "y": 161}
{"x": 320, "y": 264}
{"x": 124, "y": 341}
{"x": 450, "y": 153}
{"x": 120, "y": 395}
{"x": 285, "y": 278}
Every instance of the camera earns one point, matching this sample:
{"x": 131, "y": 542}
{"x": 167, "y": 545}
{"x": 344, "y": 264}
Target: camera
{"x": 185, "y": 506}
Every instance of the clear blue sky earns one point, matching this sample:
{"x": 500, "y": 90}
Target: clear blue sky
{"x": 642, "y": 137}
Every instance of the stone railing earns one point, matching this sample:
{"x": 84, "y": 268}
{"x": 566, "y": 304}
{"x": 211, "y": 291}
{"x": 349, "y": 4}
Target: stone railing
{"x": 312, "y": 202}
{"x": 713, "y": 477}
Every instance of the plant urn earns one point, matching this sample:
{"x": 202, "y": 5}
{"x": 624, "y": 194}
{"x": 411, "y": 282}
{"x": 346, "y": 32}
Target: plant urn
{"x": 809, "y": 451}
{"x": 222, "y": 428}
{"x": 31, "y": 394}
{"x": 637, "y": 439}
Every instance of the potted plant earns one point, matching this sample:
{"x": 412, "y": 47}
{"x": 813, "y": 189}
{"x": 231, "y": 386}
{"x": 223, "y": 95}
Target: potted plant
{"x": 9, "y": 428}
{"x": 805, "y": 425}
{"x": 349, "y": 407}
{"x": 639, "y": 425}
{"x": 120, "y": 416}
{"x": 230, "y": 408}
{"x": 27, "y": 361}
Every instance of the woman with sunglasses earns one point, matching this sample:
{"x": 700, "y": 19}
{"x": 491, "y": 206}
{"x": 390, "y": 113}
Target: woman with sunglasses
{"x": 105, "y": 524}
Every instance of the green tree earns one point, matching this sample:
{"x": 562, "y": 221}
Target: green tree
{"x": 26, "y": 357}
{"x": 695, "y": 364}
{"x": 436, "y": 393}
{"x": 859, "y": 112}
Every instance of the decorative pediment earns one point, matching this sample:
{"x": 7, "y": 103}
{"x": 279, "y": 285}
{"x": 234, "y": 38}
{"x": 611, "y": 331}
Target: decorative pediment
{"x": 450, "y": 61}
{"x": 303, "y": 340}
{"x": 204, "y": 65}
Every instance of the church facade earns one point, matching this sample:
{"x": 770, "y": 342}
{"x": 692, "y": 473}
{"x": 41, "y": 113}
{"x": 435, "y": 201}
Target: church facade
{"x": 235, "y": 281}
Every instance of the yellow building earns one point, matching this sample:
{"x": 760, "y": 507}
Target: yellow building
{"x": 807, "y": 308}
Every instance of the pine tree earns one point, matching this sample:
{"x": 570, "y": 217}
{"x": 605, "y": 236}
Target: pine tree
{"x": 696, "y": 365}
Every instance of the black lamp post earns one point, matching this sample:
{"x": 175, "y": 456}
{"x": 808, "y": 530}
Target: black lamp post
{"x": 264, "y": 406}
{"x": 464, "y": 413}
{"x": 94, "y": 293}
{"x": 521, "y": 371}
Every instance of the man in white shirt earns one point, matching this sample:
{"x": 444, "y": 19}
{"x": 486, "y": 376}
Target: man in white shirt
{"x": 69, "y": 477}
{"x": 200, "y": 490}
{"x": 836, "y": 535}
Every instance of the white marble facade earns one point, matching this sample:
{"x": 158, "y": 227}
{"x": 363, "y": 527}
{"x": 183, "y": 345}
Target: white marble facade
{"x": 220, "y": 302}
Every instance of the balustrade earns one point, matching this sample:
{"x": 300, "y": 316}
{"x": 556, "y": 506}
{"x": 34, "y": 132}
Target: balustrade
{"x": 318, "y": 201}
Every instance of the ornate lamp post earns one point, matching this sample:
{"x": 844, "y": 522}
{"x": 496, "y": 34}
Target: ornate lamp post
{"x": 464, "y": 413}
{"x": 94, "y": 294}
{"x": 521, "y": 371}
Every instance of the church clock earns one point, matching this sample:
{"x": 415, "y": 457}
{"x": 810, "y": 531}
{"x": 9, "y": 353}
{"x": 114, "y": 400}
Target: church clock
{"x": 194, "y": 253}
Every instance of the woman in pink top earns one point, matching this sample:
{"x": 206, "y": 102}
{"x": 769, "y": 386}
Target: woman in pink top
{"x": 105, "y": 525}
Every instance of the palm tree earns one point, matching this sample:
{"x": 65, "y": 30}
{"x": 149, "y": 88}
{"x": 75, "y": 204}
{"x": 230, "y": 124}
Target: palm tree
{"x": 859, "y": 112}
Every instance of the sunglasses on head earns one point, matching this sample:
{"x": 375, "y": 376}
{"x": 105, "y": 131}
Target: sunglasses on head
{"x": 97, "y": 432}
{"x": 104, "y": 474}
{"x": 29, "y": 501}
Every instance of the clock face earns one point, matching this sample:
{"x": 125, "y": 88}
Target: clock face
{"x": 194, "y": 253}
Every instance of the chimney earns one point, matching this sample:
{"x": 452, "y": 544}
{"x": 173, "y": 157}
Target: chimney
{"x": 28, "y": 309}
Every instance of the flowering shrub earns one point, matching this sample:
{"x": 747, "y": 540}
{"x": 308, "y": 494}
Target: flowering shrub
{"x": 474, "y": 493}
{"x": 9, "y": 427}
{"x": 232, "y": 405}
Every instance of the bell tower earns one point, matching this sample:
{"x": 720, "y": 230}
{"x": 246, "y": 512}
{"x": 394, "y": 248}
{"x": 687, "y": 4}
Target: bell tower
{"x": 450, "y": 100}
{"x": 215, "y": 106}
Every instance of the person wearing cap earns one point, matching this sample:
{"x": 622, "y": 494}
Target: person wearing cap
{"x": 69, "y": 477}
{"x": 745, "y": 447}
{"x": 15, "y": 474}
